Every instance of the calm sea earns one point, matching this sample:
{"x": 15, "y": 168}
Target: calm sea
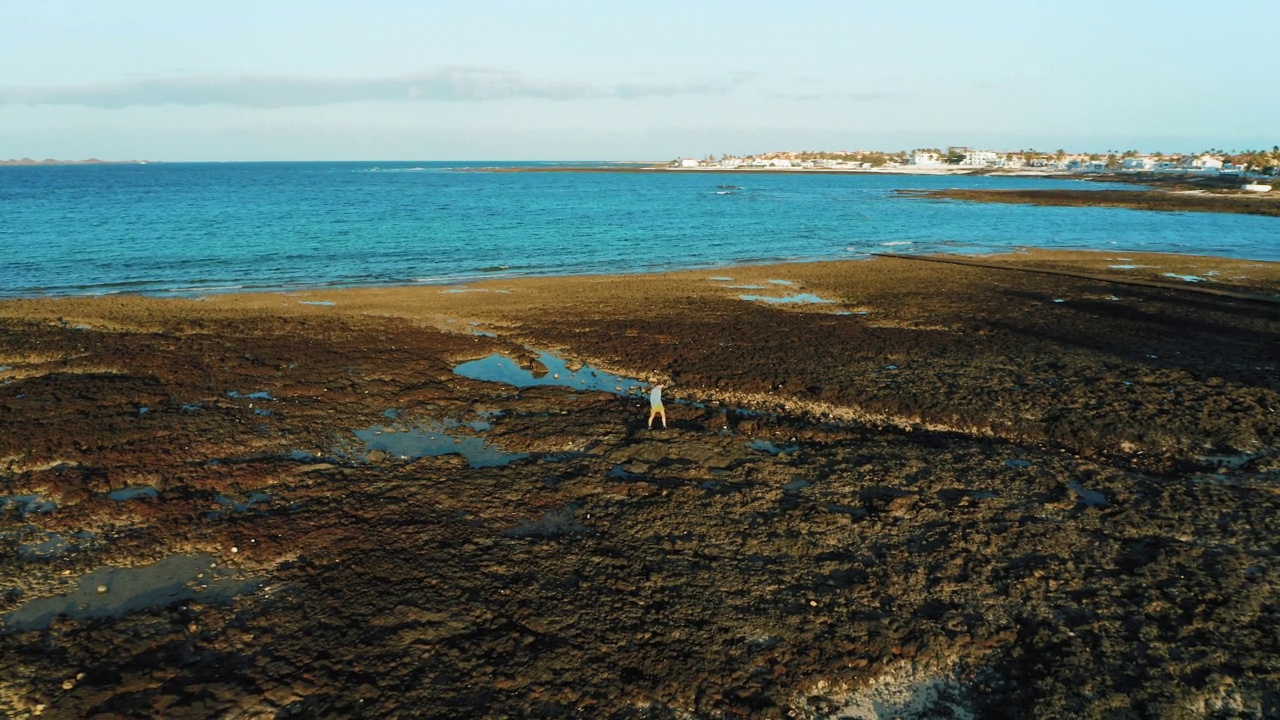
{"x": 193, "y": 228}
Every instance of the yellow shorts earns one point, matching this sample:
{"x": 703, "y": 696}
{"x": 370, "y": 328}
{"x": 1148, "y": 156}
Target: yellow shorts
{"x": 657, "y": 409}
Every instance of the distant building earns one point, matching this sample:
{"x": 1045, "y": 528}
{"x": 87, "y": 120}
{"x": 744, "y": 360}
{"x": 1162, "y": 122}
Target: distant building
{"x": 1074, "y": 162}
{"x": 1207, "y": 164}
{"x": 1140, "y": 163}
{"x": 922, "y": 158}
{"x": 689, "y": 163}
{"x": 979, "y": 158}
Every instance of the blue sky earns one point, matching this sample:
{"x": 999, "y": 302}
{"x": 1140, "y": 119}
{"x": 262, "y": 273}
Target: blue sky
{"x": 487, "y": 79}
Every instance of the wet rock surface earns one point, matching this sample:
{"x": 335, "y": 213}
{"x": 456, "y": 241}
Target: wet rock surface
{"x": 1221, "y": 201}
{"x": 950, "y": 492}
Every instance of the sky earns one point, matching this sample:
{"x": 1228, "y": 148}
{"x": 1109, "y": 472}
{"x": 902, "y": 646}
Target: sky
{"x": 625, "y": 80}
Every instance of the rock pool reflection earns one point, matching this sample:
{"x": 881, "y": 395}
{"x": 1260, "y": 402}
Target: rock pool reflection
{"x": 115, "y": 591}
{"x": 798, "y": 298}
{"x": 26, "y": 504}
{"x": 1088, "y": 498}
{"x": 132, "y": 493}
{"x": 768, "y": 447}
{"x": 51, "y": 545}
{"x": 431, "y": 441}
{"x": 500, "y": 368}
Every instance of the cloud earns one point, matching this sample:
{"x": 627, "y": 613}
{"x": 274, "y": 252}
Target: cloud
{"x": 870, "y": 96}
{"x": 446, "y": 85}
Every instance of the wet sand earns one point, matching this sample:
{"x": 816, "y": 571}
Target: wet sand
{"x": 931, "y": 490}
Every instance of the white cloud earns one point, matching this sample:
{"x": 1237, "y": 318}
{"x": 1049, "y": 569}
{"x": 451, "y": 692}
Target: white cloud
{"x": 869, "y": 96}
{"x": 467, "y": 84}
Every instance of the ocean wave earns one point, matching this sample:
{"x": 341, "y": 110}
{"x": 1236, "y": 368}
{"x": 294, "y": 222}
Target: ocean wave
{"x": 203, "y": 288}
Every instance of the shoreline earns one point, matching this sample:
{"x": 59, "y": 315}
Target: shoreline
{"x": 28, "y": 162}
{"x": 1214, "y": 282}
{"x": 905, "y": 170}
{"x": 880, "y": 475}
{"x": 1166, "y": 192}
{"x": 1134, "y": 177}
{"x": 1160, "y": 199}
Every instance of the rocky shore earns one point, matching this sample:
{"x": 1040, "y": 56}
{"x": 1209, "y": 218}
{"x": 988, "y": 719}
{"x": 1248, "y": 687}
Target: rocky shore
{"x": 1163, "y": 199}
{"x": 890, "y": 488}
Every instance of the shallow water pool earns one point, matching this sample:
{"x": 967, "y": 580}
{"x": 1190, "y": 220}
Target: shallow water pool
{"x": 500, "y": 368}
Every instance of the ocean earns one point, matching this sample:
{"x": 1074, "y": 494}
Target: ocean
{"x": 184, "y": 229}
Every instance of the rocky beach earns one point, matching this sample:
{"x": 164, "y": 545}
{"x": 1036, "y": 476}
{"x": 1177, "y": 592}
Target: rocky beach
{"x": 1043, "y": 485}
{"x": 1171, "y": 193}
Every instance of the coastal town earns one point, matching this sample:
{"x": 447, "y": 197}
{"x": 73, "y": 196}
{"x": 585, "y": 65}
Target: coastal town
{"x": 962, "y": 160}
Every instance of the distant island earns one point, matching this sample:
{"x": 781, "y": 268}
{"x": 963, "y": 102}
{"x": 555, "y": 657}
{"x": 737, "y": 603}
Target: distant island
{"x": 90, "y": 161}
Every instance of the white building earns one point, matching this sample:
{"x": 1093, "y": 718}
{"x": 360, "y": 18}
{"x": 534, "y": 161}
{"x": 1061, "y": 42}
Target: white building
{"x": 1073, "y": 162}
{"x": 1202, "y": 163}
{"x": 921, "y": 158}
{"x": 689, "y": 162}
{"x": 979, "y": 158}
{"x": 1141, "y": 163}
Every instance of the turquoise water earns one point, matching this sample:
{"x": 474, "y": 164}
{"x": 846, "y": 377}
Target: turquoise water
{"x": 189, "y": 229}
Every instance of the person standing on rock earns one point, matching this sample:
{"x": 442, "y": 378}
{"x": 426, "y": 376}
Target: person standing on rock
{"x": 655, "y": 405}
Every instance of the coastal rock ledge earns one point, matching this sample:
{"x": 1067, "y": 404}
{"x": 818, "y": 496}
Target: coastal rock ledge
{"x": 889, "y": 488}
